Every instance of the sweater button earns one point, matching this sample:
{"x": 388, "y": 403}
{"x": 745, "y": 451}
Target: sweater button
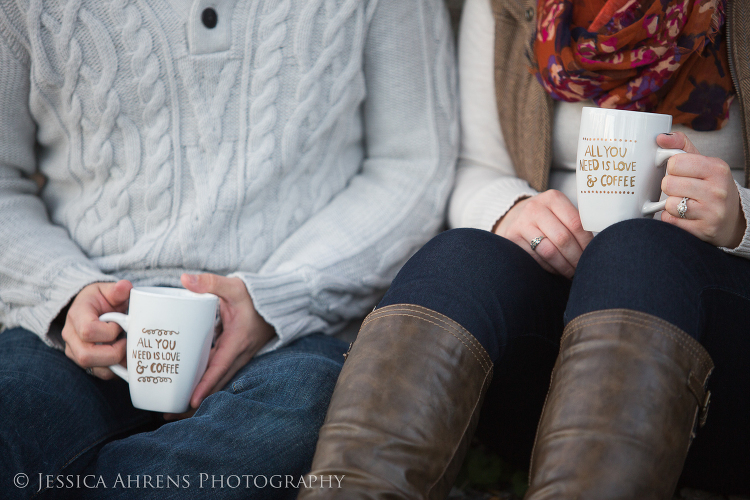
{"x": 209, "y": 18}
{"x": 529, "y": 13}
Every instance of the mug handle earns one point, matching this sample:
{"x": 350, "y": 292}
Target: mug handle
{"x": 122, "y": 320}
{"x": 662, "y": 155}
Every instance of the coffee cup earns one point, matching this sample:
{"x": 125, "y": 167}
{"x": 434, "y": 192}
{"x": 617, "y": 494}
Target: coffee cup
{"x": 169, "y": 333}
{"x": 619, "y": 167}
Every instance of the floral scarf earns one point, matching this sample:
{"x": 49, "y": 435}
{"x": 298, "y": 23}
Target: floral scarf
{"x": 665, "y": 56}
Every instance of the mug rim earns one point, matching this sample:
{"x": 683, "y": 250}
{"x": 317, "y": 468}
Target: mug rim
{"x": 172, "y": 292}
{"x": 597, "y": 108}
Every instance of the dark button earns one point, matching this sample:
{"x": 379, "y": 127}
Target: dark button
{"x": 529, "y": 14}
{"x": 209, "y": 18}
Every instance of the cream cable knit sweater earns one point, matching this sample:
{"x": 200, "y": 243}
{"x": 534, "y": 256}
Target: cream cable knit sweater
{"x": 305, "y": 146}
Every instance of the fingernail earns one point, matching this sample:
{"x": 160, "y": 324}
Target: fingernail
{"x": 670, "y": 133}
{"x": 192, "y": 279}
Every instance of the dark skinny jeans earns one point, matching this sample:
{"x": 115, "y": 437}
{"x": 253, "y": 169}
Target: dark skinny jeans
{"x": 517, "y": 310}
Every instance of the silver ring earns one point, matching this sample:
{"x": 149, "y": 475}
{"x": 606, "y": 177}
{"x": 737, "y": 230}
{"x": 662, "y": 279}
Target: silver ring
{"x": 682, "y": 208}
{"x": 535, "y": 242}
{"x": 90, "y": 371}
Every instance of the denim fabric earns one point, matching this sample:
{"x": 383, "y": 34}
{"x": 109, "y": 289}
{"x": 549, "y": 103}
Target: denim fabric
{"x": 487, "y": 284}
{"x": 659, "y": 269}
{"x": 495, "y": 290}
{"x": 57, "y": 420}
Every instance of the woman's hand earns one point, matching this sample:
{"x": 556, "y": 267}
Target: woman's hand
{"x": 552, "y": 215}
{"x": 244, "y": 332}
{"x": 91, "y": 343}
{"x": 714, "y": 212}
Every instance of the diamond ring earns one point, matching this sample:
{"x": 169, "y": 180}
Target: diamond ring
{"x": 682, "y": 208}
{"x": 535, "y": 242}
{"x": 90, "y": 371}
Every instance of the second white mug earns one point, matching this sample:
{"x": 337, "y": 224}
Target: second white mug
{"x": 618, "y": 174}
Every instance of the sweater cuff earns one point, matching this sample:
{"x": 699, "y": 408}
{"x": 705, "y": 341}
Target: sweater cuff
{"x": 284, "y": 301}
{"x": 743, "y": 249}
{"x": 63, "y": 288}
{"x": 492, "y": 202}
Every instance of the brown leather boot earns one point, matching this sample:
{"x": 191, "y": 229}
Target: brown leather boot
{"x": 404, "y": 408}
{"x": 625, "y": 396}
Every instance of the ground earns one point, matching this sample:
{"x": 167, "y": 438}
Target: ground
{"x": 484, "y": 476}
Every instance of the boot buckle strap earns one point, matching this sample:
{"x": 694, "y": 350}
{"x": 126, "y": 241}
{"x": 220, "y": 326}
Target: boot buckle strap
{"x": 702, "y": 396}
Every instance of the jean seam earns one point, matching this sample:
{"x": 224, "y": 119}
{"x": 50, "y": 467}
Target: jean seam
{"x": 724, "y": 289}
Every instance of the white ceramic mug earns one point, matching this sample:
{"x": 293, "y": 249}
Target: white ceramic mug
{"x": 618, "y": 166}
{"x": 169, "y": 331}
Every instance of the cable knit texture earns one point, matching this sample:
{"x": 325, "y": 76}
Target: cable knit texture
{"x": 310, "y": 159}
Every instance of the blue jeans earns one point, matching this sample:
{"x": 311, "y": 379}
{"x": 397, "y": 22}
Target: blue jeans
{"x": 82, "y": 437}
{"x": 495, "y": 290}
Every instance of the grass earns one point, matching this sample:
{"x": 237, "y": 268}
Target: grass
{"x": 484, "y": 475}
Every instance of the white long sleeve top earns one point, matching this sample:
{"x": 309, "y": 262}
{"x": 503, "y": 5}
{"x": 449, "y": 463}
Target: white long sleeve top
{"x": 486, "y": 184}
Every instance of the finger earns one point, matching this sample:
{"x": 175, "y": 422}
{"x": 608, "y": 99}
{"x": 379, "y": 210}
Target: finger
{"x": 89, "y": 329}
{"x": 691, "y": 165}
{"x": 525, "y": 245}
{"x": 116, "y": 295}
{"x": 237, "y": 364}
{"x": 223, "y": 357}
{"x": 103, "y": 373}
{"x": 568, "y": 214}
{"x": 552, "y": 255}
{"x": 87, "y": 355}
{"x": 688, "y": 225}
{"x": 683, "y": 186}
{"x": 560, "y": 236}
{"x": 228, "y": 289}
{"x": 676, "y": 140}
{"x": 694, "y": 209}
{"x": 179, "y": 416}
{"x": 84, "y": 313}
{"x": 549, "y": 253}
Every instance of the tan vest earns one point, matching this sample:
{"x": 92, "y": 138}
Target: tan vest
{"x": 525, "y": 109}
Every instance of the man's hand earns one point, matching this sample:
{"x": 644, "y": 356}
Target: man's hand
{"x": 714, "y": 212}
{"x": 244, "y": 332}
{"x": 91, "y": 343}
{"x": 552, "y": 215}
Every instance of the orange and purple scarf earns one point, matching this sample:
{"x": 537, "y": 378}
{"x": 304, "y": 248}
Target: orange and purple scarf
{"x": 665, "y": 56}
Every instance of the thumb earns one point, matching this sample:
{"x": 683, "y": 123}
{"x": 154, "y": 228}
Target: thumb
{"x": 676, "y": 140}
{"x": 208, "y": 283}
{"x": 118, "y": 293}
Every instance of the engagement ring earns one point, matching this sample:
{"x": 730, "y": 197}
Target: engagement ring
{"x": 682, "y": 208}
{"x": 535, "y": 242}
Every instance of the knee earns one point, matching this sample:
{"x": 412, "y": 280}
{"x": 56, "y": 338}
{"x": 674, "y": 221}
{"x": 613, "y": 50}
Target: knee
{"x": 641, "y": 248}
{"x": 461, "y": 257}
{"x": 302, "y": 383}
{"x": 628, "y": 264}
{"x": 293, "y": 393}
